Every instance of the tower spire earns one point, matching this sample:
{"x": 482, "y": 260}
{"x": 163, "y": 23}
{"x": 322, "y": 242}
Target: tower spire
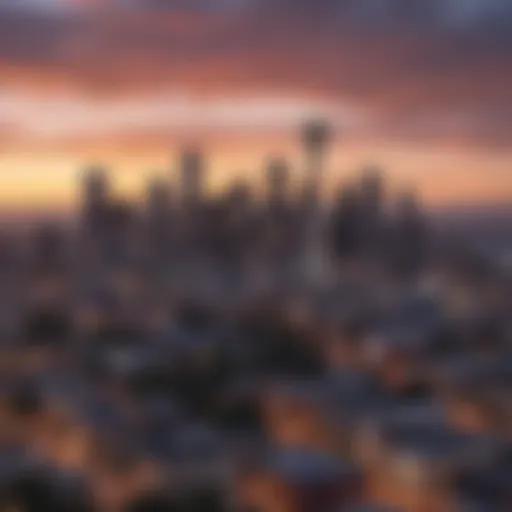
{"x": 316, "y": 135}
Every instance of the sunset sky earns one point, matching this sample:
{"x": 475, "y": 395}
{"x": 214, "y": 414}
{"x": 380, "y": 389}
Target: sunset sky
{"x": 421, "y": 87}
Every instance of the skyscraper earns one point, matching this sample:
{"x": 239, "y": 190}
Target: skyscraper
{"x": 409, "y": 235}
{"x": 316, "y": 135}
{"x": 278, "y": 182}
{"x": 193, "y": 217}
{"x": 344, "y": 239}
{"x": 159, "y": 220}
{"x": 95, "y": 186}
{"x": 372, "y": 190}
{"x": 191, "y": 177}
{"x": 95, "y": 201}
{"x": 158, "y": 198}
{"x": 372, "y": 196}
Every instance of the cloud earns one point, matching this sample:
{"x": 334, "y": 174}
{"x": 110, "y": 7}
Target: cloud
{"x": 427, "y": 68}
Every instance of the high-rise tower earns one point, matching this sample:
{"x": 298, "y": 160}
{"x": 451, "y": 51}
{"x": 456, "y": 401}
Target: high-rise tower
{"x": 410, "y": 232}
{"x": 158, "y": 197}
{"x": 278, "y": 182}
{"x": 95, "y": 199}
{"x": 192, "y": 177}
{"x": 95, "y": 187}
{"x": 372, "y": 214}
{"x": 316, "y": 135}
{"x": 159, "y": 220}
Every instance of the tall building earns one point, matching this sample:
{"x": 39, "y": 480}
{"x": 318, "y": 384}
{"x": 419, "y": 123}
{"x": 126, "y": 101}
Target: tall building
{"x": 48, "y": 247}
{"x": 316, "y": 135}
{"x": 158, "y": 198}
{"x": 372, "y": 192}
{"x": 279, "y": 227}
{"x": 278, "y": 182}
{"x": 344, "y": 235}
{"x": 96, "y": 198}
{"x": 95, "y": 188}
{"x": 191, "y": 177}
{"x": 231, "y": 225}
{"x": 193, "y": 216}
{"x": 119, "y": 244}
{"x": 409, "y": 235}
{"x": 372, "y": 197}
{"x": 159, "y": 220}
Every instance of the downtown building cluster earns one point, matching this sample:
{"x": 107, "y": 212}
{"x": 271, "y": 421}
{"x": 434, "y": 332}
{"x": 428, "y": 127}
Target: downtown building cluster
{"x": 253, "y": 352}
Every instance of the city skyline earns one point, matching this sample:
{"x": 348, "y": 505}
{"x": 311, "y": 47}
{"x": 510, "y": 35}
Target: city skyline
{"x": 423, "y": 93}
{"x": 56, "y": 194}
{"x": 256, "y": 255}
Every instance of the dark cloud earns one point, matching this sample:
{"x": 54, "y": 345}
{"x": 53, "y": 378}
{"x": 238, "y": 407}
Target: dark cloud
{"x": 406, "y": 60}
{"x": 376, "y": 13}
{"x": 28, "y": 37}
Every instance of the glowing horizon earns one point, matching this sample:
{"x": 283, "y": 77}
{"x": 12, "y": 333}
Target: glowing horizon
{"x": 442, "y": 178}
{"x": 424, "y": 93}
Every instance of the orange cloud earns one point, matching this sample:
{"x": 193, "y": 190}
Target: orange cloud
{"x": 432, "y": 90}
